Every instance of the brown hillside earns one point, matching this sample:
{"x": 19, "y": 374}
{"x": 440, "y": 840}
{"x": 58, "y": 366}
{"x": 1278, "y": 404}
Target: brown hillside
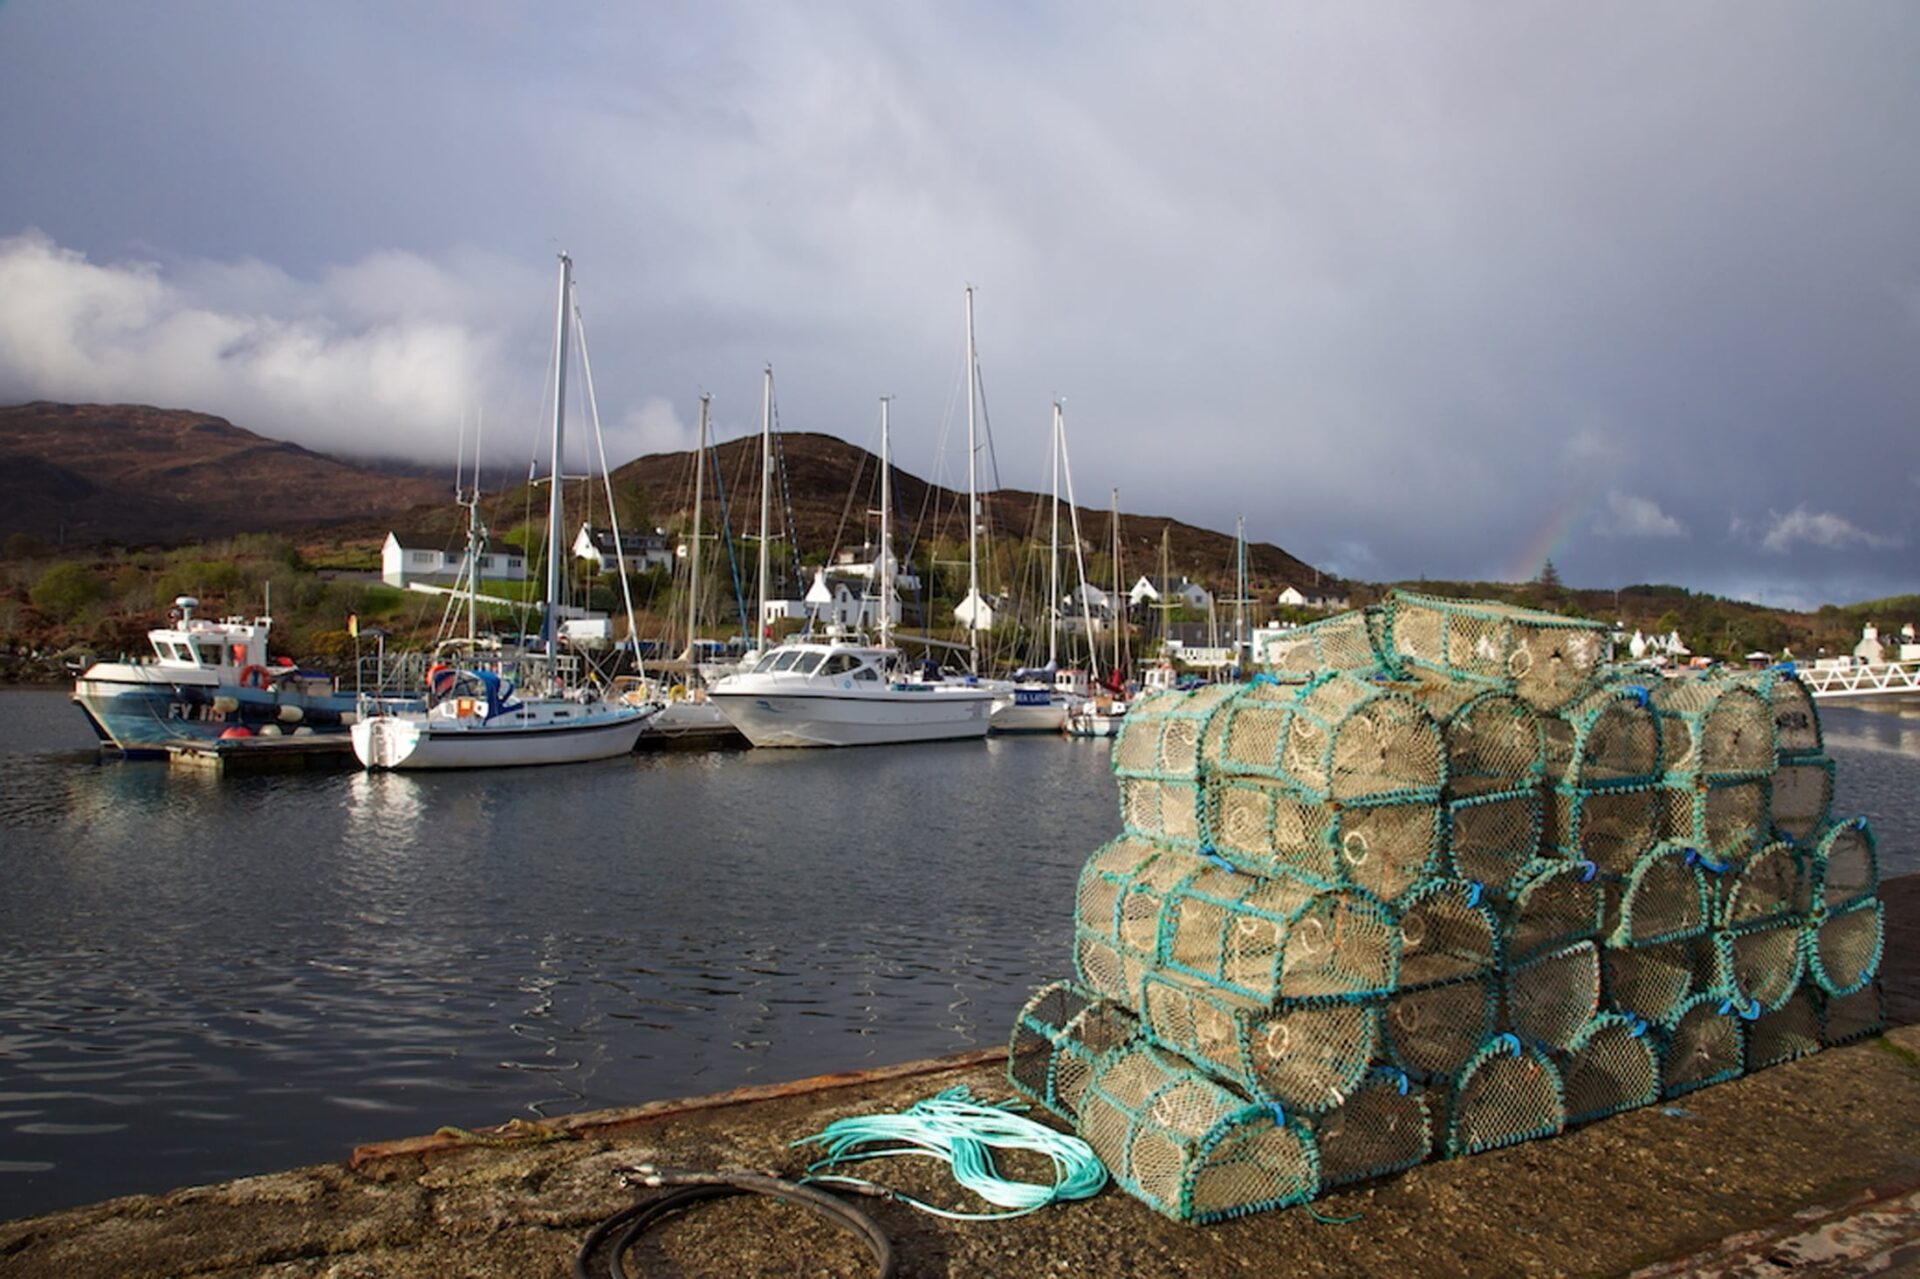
{"x": 86, "y": 473}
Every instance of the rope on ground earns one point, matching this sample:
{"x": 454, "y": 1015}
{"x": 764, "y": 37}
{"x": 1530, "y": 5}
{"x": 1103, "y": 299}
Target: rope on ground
{"x": 515, "y": 1132}
{"x": 625, "y": 1227}
{"x": 963, "y": 1133}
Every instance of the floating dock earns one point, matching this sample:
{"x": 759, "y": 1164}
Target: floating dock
{"x": 1809, "y": 1168}
{"x": 240, "y": 756}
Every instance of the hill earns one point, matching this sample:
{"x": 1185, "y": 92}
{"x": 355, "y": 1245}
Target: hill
{"x": 83, "y": 474}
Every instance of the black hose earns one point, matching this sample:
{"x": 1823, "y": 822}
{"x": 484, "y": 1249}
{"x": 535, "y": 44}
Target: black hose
{"x": 625, "y": 1227}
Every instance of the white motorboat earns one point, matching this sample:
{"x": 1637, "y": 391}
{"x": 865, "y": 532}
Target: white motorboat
{"x": 837, "y": 693}
{"x": 207, "y": 679}
{"x": 1038, "y": 704}
{"x": 472, "y": 719}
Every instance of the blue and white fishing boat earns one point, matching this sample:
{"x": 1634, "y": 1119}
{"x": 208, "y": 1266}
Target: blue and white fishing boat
{"x": 207, "y": 679}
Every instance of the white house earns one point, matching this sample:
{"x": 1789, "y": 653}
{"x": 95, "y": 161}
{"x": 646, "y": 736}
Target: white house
{"x": 863, "y": 563}
{"x": 1324, "y": 602}
{"x": 641, "y": 550}
{"x": 847, "y": 603}
{"x": 1184, "y": 593}
{"x": 401, "y": 563}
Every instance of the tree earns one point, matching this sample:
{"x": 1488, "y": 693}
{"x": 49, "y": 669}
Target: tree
{"x": 1549, "y": 577}
{"x": 65, "y": 589}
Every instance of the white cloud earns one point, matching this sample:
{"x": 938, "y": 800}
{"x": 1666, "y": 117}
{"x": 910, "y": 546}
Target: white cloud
{"x": 1818, "y": 528}
{"x": 371, "y": 359}
{"x": 1625, "y": 515}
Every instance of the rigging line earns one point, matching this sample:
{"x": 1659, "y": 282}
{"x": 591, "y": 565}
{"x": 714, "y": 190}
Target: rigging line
{"x": 726, "y": 535}
{"x": 606, "y": 476}
{"x": 786, "y": 492}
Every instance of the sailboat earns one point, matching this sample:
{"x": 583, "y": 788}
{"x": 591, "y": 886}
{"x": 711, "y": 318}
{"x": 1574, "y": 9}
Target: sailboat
{"x": 476, "y": 718}
{"x": 1040, "y": 701}
{"x": 1101, "y": 716}
{"x": 842, "y": 692}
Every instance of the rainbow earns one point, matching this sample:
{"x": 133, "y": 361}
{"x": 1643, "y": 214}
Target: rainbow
{"x": 1552, "y": 539}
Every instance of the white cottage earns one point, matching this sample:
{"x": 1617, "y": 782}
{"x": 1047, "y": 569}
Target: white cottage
{"x": 413, "y": 560}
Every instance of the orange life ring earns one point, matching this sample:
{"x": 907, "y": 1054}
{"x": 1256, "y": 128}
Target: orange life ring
{"x": 253, "y": 677}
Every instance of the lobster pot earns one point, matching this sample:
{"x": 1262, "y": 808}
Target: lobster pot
{"x": 1773, "y": 884}
{"x": 1613, "y": 829}
{"x": 1546, "y": 659}
{"x": 1432, "y": 1032}
{"x": 1550, "y": 999}
{"x": 1796, "y": 721}
{"x": 1845, "y": 1018}
{"x": 1652, "y": 982}
{"x": 1189, "y": 1147}
{"x": 1508, "y": 1093}
{"x": 1789, "y": 1032}
{"x": 1493, "y": 740}
{"x": 1345, "y": 642}
{"x": 1058, "y": 1036}
{"x": 1846, "y": 869}
{"x": 1117, "y": 915}
{"x": 1609, "y": 738}
{"x": 1844, "y": 950}
{"x": 1492, "y": 838}
{"x": 1800, "y": 799}
{"x": 1665, "y": 898}
{"x": 1265, "y": 827}
{"x": 1553, "y": 904}
{"x": 1760, "y": 964}
{"x": 1278, "y": 937}
{"x": 1337, "y": 737}
{"x": 1713, "y": 726}
{"x": 1305, "y": 1056}
{"x": 1725, "y": 819}
{"x": 1382, "y": 1127}
{"x": 1447, "y": 932}
{"x": 1702, "y": 1046}
{"x": 1609, "y": 1065}
{"x": 1161, "y": 810}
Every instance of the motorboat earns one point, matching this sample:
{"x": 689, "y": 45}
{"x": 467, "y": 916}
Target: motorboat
{"x": 206, "y": 679}
{"x": 843, "y": 693}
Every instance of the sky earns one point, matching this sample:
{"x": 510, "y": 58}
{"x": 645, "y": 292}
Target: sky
{"x": 1429, "y": 289}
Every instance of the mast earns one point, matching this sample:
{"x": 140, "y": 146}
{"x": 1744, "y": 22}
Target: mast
{"x": 1053, "y": 552}
{"x": 1079, "y": 559}
{"x": 766, "y": 488}
{"x": 886, "y": 528}
{"x": 693, "y": 556}
{"x": 1113, "y": 606}
{"x": 1239, "y": 587}
{"x": 475, "y": 534}
{"x": 973, "y": 508}
{"x": 550, "y": 626}
{"x": 1166, "y": 589}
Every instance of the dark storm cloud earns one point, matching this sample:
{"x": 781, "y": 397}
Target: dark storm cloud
{"x": 1425, "y": 289}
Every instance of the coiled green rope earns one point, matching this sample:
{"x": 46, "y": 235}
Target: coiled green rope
{"x": 963, "y": 1133}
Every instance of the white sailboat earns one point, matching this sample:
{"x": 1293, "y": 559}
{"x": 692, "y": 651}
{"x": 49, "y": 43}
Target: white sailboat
{"x": 845, "y": 693}
{"x": 1101, "y": 715}
{"x": 475, "y": 718}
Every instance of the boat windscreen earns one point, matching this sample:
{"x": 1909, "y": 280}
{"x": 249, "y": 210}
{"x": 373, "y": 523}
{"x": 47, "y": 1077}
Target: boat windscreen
{"x": 783, "y": 659}
{"x": 809, "y": 663}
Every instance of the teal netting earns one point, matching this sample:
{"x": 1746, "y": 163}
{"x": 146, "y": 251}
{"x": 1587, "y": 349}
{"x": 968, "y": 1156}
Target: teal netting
{"x": 1714, "y": 726}
{"x": 1383, "y": 1127}
{"x": 1508, "y": 1093}
{"x": 1306, "y": 1055}
{"x": 1613, "y": 829}
{"x": 1652, "y": 982}
{"x": 1549, "y": 999}
{"x": 1728, "y": 819}
{"x": 1845, "y": 945}
{"x": 1190, "y": 1147}
{"x": 1789, "y": 1032}
{"x": 1266, "y": 827}
{"x": 1773, "y": 884}
{"x": 1552, "y": 904}
{"x": 1346, "y": 642}
{"x": 1801, "y": 797}
{"x": 1338, "y": 737}
{"x": 1608, "y": 738}
{"x": 1493, "y": 740}
{"x": 1448, "y": 932}
{"x": 1666, "y": 898}
{"x": 1846, "y": 869}
{"x": 1546, "y": 659}
{"x": 1796, "y": 722}
{"x": 1431, "y": 1032}
{"x": 1058, "y": 1036}
{"x": 1491, "y": 839}
{"x": 1846, "y": 1018}
{"x": 1761, "y": 964}
{"x": 1703, "y": 1044}
{"x": 1612, "y": 1064}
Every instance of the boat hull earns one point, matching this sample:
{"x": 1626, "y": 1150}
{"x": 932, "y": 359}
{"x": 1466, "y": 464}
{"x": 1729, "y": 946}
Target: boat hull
{"x": 410, "y": 743}
{"x": 151, "y": 712}
{"x": 813, "y": 719}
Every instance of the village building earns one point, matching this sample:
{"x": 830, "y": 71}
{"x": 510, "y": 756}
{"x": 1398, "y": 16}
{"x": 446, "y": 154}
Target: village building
{"x": 406, "y": 558}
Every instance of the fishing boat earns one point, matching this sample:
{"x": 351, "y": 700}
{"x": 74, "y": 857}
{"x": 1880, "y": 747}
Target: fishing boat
{"x": 206, "y": 679}
{"x": 842, "y": 692}
{"x": 474, "y": 717}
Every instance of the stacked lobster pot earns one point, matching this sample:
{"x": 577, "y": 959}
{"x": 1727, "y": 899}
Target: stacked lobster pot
{"x": 1442, "y": 880}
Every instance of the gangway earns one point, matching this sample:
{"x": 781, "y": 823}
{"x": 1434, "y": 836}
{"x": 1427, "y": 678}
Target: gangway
{"x": 1864, "y": 679}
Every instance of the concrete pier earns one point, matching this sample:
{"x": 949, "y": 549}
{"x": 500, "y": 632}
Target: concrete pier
{"x": 1811, "y": 1168}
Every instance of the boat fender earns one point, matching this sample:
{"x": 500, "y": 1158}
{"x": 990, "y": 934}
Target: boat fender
{"x": 347, "y": 719}
{"x": 675, "y": 693}
{"x": 235, "y": 733}
{"x": 292, "y": 714}
{"x": 283, "y": 661}
{"x": 225, "y": 705}
{"x": 304, "y": 730}
{"x": 253, "y": 677}
{"x": 268, "y": 730}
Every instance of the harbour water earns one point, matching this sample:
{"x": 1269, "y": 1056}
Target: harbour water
{"x": 202, "y": 978}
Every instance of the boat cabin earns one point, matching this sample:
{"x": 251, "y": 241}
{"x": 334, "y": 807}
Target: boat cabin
{"x": 826, "y": 661}
{"x": 230, "y": 644}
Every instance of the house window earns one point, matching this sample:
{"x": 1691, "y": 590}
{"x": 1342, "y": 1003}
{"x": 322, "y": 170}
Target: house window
{"x": 421, "y": 557}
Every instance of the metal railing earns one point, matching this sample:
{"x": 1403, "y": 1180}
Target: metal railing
{"x": 1885, "y": 679}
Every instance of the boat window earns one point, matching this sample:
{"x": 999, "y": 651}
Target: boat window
{"x": 840, "y": 664}
{"x": 210, "y": 655}
{"x": 164, "y": 648}
{"x": 809, "y": 663}
{"x": 866, "y": 673}
{"x": 785, "y": 658}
